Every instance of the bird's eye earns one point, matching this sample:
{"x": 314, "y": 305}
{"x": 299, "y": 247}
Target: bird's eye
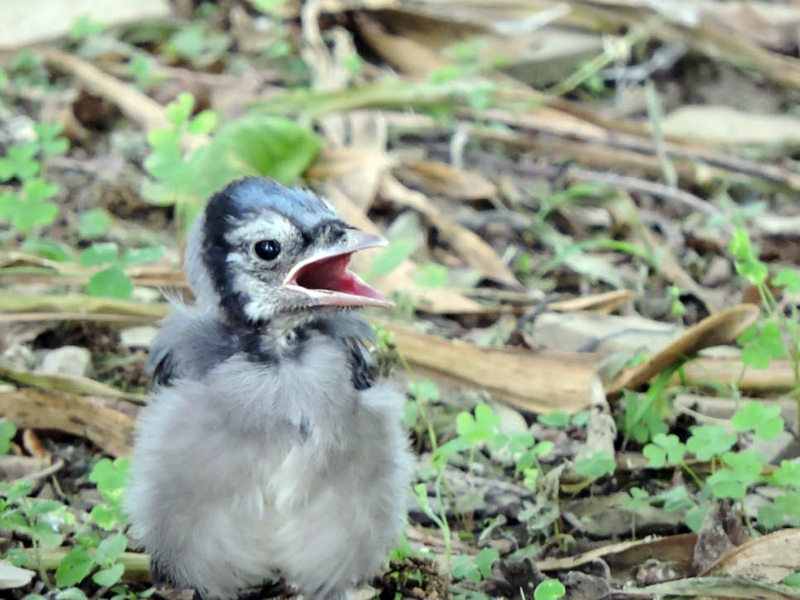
{"x": 267, "y": 249}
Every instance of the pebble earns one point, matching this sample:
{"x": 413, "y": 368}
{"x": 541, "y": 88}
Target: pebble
{"x": 68, "y": 360}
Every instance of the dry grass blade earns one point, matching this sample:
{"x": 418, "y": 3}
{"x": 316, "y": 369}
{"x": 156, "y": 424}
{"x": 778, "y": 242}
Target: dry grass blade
{"x": 67, "y": 383}
{"x": 471, "y": 248}
{"x": 85, "y": 305}
{"x": 604, "y": 302}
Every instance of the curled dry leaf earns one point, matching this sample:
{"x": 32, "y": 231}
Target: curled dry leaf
{"x": 33, "y": 445}
{"x": 718, "y": 329}
{"x": 105, "y": 421}
{"x": 538, "y": 382}
{"x": 770, "y": 558}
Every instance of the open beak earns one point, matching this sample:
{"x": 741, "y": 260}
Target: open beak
{"x": 324, "y": 276}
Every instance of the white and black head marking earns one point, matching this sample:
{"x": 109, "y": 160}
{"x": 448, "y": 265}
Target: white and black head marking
{"x": 255, "y": 230}
{"x": 266, "y": 250}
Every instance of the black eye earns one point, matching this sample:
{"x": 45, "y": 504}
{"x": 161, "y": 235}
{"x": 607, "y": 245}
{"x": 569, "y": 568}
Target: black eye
{"x": 267, "y": 249}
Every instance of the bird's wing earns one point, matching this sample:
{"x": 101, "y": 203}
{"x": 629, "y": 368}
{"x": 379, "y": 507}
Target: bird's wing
{"x": 189, "y": 344}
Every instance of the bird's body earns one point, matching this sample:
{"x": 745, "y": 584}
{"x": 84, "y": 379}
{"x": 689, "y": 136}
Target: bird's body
{"x": 268, "y": 448}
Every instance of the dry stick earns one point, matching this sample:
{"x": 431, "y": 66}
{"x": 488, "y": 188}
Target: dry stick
{"x": 54, "y": 468}
{"x": 135, "y": 105}
{"x": 628, "y": 141}
{"x": 626, "y": 182}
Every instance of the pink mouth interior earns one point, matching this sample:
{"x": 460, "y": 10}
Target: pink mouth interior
{"x": 331, "y": 274}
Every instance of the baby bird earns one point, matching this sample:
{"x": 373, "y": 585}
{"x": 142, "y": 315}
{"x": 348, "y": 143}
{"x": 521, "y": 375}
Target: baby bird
{"x": 268, "y": 448}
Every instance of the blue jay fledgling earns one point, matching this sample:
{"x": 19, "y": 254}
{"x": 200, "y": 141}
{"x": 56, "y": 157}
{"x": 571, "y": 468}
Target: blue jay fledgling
{"x": 268, "y": 447}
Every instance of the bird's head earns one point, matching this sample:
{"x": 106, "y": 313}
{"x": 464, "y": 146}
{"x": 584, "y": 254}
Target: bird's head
{"x": 261, "y": 251}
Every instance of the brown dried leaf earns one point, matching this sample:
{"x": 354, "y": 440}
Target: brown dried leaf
{"x": 534, "y": 381}
{"x": 456, "y": 184}
{"x": 32, "y": 443}
{"x": 106, "y": 422}
{"x": 769, "y": 558}
{"x": 718, "y": 329}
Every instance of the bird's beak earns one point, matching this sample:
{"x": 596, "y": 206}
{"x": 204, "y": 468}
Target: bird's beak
{"x": 325, "y": 279}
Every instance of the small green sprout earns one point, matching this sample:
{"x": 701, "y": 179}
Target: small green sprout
{"x": 766, "y": 422}
{"x": 709, "y": 440}
{"x": 596, "y": 465}
{"x": 549, "y": 589}
{"x": 664, "y": 448}
{"x": 474, "y": 569}
{"x": 7, "y": 432}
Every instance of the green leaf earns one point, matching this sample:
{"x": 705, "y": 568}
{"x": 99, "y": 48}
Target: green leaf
{"x": 789, "y": 279}
{"x": 104, "y": 516}
{"x": 74, "y": 568}
{"x": 110, "y": 477}
{"x": 165, "y": 140}
{"x": 431, "y": 276}
{"x": 789, "y": 503}
{"x": 133, "y": 256}
{"x": 464, "y": 568}
{"x": 410, "y": 413}
{"x": 110, "y": 576}
{"x": 485, "y": 560}
{"x": 9, "y": 204}
{"x": 38, "y": 190}
{"x": 179, "y": 111}
{"x": 7, "y": 432}
{"x": 31, "y": 214}
{"x": 733, "y": 483}
{"x": 18, "y": 557}
{"x": 766, "y": 422}
{"x": 596, "y": 465}
{"x": 770, "y": 517}
{"x": 71, "y": 594}
{"x": 480, "y": 428}
{"x": 45, "y": 506}
{"x": 665, "y": 447}
{"x": 49, "y": 249}
{"x": 93, "y": 223}
{"x": 739, "y": 246}
{"x": 549, "y": 589}
{"x": 557, "y": 419}
{"x": 110, "y": 283}
{"x": 792, "y": 580}
{"x": 747, "y": 263}
{"x": 709, "y": 440}
{"x": 109, "y": 550}
{"x": 203, "y": 123}
{"x": 788, "y": 475}
{"x": 84, "y": 27}
{"x": 392, "y": 256}
{"x": 48, "y": 534}
{"x": 19, "y": 162}
{"x": 266, "y": 145}
{"x": 655, "y": 454}
{"x": 99, "y": 254}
